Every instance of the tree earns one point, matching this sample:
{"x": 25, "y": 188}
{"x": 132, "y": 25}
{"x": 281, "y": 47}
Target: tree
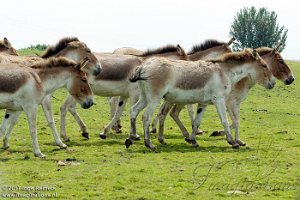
{"x": 253, "y": 29}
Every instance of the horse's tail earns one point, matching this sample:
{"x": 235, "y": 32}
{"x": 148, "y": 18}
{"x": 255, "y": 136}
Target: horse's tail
{"x": 137, "y": 75}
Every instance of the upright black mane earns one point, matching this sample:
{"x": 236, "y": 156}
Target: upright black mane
{"x": 165, "y": 49}
{"x": 52, "y": 50}
{"x": 207, "y": 44}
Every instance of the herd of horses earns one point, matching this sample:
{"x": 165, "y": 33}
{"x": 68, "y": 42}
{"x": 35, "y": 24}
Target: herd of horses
{"x": 208, "y": 74}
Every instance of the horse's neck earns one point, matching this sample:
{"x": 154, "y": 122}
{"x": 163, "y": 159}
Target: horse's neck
{"x": 69, "y": 54}
{"x": 203, "y": 55}
{"x": 51, "y": 80}
{"x": 237, "y": 72}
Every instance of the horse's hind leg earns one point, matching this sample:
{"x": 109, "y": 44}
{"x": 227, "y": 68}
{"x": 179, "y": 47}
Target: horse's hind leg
{"x": 117, "y": 115}
{"x": 146, "y": 122}
{"x": 175, "y": 115}
{"x": 134, "y": 111}
{"x": 156, "y": 119}
{"x": 13, "y": 118}
{"x": 166, "y": 107}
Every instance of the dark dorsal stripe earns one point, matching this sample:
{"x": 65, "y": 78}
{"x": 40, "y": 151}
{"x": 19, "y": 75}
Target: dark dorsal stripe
{"x": 165, "y": 49}
{"x": 205, "y": 45}
{"x": 52, "y": 50}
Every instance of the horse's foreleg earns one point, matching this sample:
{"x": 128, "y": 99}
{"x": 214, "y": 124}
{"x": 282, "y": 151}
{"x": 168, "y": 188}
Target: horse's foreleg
{"x": 221, "y": 109}
{"x": 13, "y": 118}
{"x": 196, "y": 123}
{"x": 5, "y": 121}
{"x": 236, "y": 124}
{"x": 190, "y": 108}
{"x": 31, "y": 117}
{"x": 175, "y": 115}
{"x": 47, "y": 108}
{"x": 69, "y": 102}
{"x": 164, "y": 110}
{"x": 117, "y": 115}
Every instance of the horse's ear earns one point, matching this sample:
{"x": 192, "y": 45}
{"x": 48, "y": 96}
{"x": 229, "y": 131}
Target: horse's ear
{"x": 6, "y": 42}
{"x": 83, "y": 63}
{"x": 230, "y": 41}
{"x": 277, "y": 47}
{"x": 254, "y": 54}
{"x": 180, "y": 50}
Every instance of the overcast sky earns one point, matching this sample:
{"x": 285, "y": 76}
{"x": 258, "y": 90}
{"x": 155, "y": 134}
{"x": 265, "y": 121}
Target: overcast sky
{"x": 108, "y": 25}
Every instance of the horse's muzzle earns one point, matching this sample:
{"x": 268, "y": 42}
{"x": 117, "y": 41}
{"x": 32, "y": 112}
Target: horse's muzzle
{"x": 271, "y": 84}
{"x": 87, "y": 104}
{"x": 97, "y": 70}
{"x": 290, "y": 80}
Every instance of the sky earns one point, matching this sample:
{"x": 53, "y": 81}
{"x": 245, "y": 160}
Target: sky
{"x": 105, "y": 25}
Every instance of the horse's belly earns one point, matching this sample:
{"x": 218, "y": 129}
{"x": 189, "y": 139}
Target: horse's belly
{"x": 188, "y": 97}
{"x": 110, "y": 88}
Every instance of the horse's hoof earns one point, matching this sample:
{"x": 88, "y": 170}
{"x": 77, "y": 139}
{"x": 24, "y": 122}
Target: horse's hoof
{"x": 217, "y": 133}
{"x": 85, "y": 135}
{"x": 199, "y": 132}
{"x": 118, "y": 131}
{"x": 162, "y": 141}
{"x": 241, "y": 143}
{"x": 63, "y": 146}
{"x": 153, "y": 130}
{"x": 188, "y": 140}
{"x": 128, "y": 143}
{"x": 137, "y": 138}
{"x": 5, "y": 147}
{"x": 40, "y": 155}
{"x": 66, "y": 139}
{"x": 194, "y": 143}
{"x": 150, "y": 146}
{"x": 102, "y": 136}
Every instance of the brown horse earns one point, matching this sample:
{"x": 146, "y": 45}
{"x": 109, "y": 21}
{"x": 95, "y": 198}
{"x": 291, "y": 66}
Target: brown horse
{"x": 113, "y": 81}
{"x": 67, "y": 47}
{"x": 6, "y": 47}
{"x": 24, "y": 88}
{"x": 182, "y": 82}
{"x": 279, "y": 69}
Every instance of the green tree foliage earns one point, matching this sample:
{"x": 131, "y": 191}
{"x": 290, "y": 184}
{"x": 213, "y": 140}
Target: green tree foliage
{"x": 256, "y": 28}
{"x": 33, "y": 50}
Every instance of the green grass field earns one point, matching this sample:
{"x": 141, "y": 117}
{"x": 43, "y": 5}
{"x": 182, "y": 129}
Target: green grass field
{"x": 267, "y": 168}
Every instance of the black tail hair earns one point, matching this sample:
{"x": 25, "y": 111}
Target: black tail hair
{"x": 137, "y": 75}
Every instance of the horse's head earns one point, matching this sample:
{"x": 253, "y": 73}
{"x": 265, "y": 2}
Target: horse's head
{"x": 75, "y": 50}
{"x": 79, "y": 87}
{"x": 276, "y": 64}
{"x": 5, "y": 47}
{"x": 264, "y": 76}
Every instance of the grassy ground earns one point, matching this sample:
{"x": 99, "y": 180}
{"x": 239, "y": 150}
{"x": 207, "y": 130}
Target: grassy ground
{"x": 267, "y": 168}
